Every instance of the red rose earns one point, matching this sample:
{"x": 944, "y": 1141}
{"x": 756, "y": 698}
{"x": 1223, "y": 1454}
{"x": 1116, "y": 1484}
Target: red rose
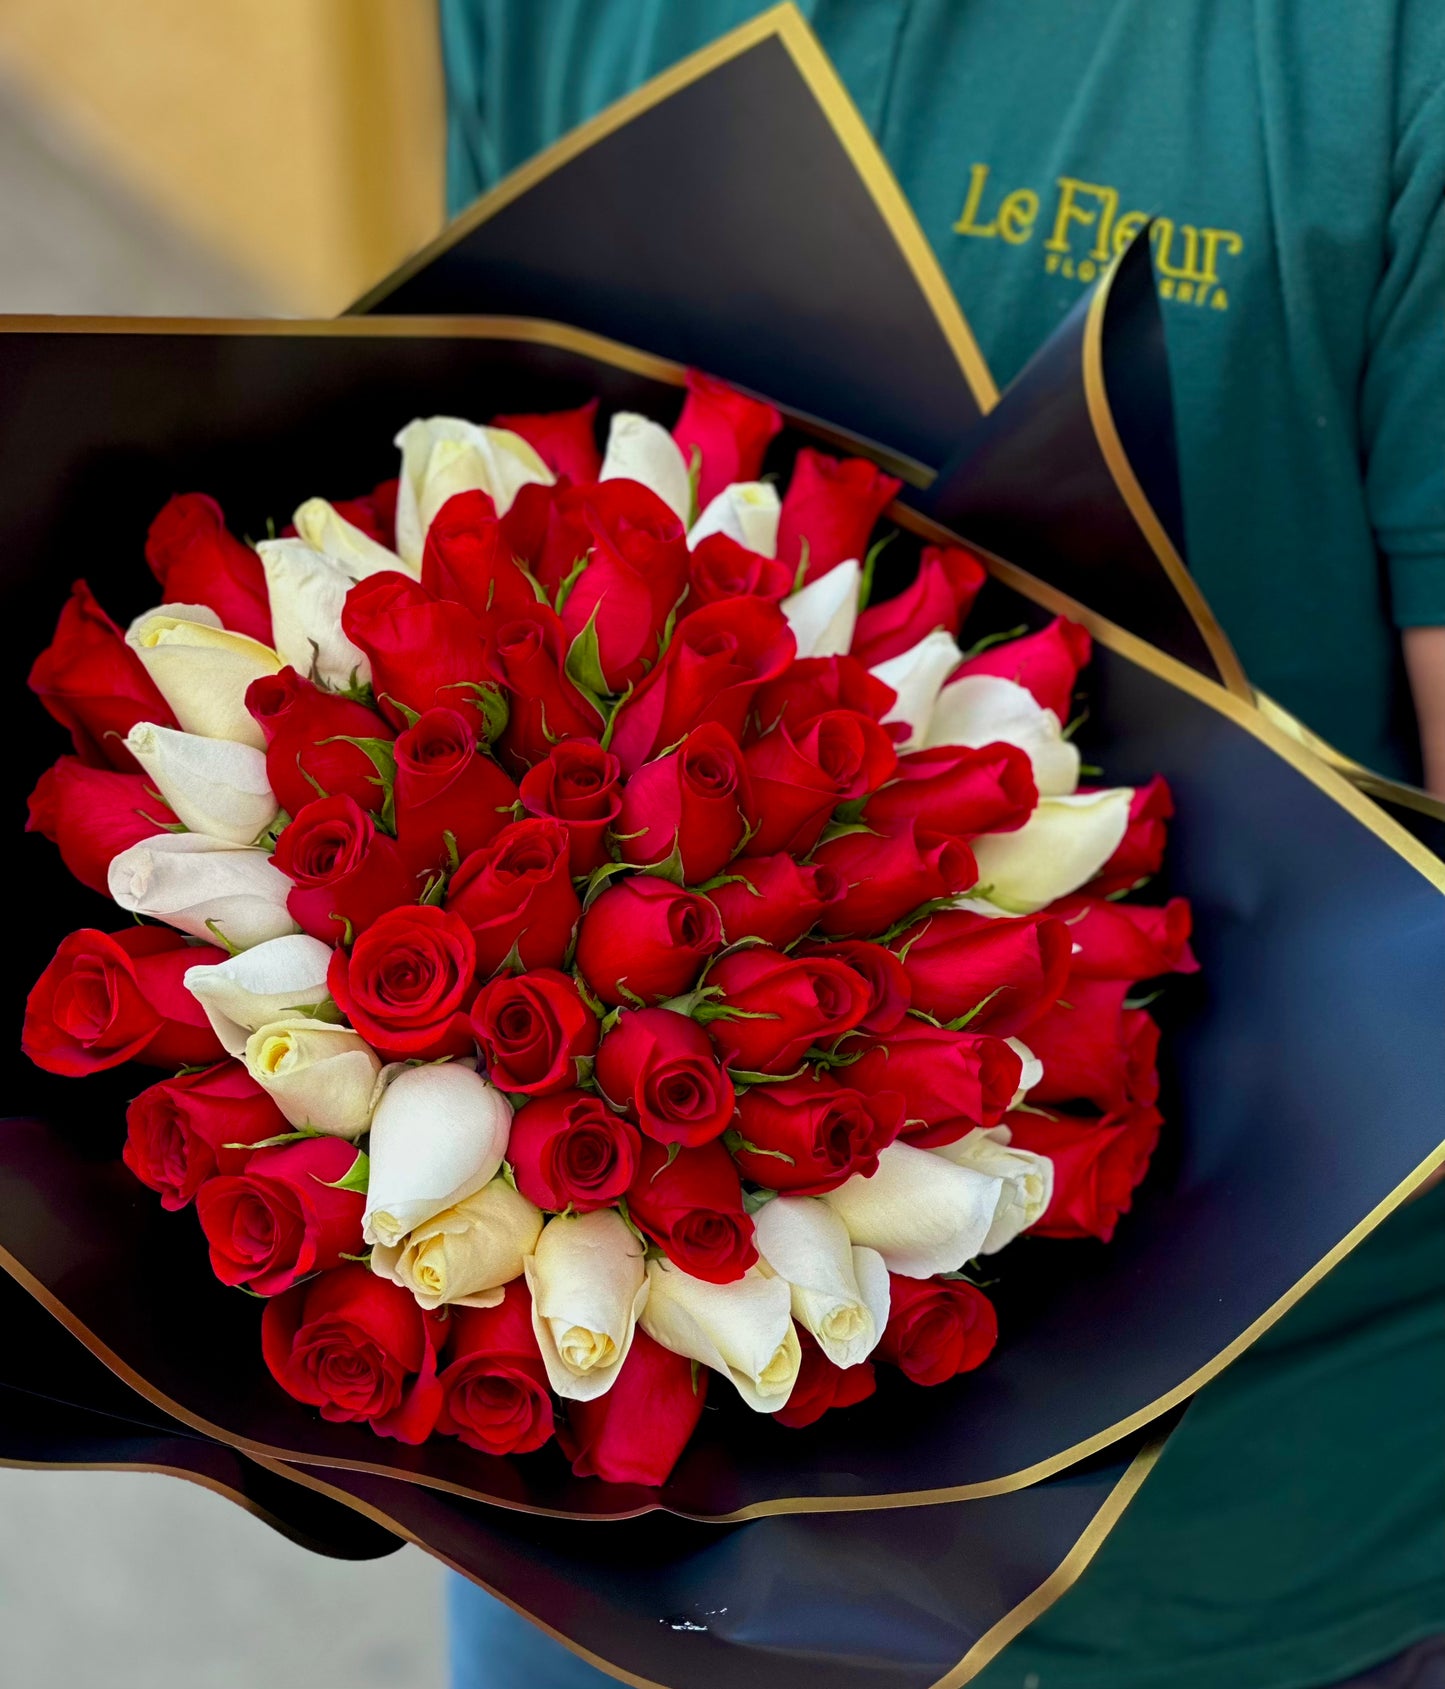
{"x": 495, "y": 1396}
{"x": 108, "y": 998}
{"x": 660, "y": 1070}
{"x": 407, "y": 982}
{"x": 341, "y": 869}
{"x": 1097, "y": 1166}
{"x": 566, "y": 441}
{"x": 446, "y": 784}
{"x": 776, "y": 1007}
{"x": 423, "y": 651}
{"x": 1093, "y": 1049}
{"x": 806, "y": 1136}
{"x": 516, "y": 895}
{"x": 282, "y": 1218}
{"x": 92, "y": 814}
{"x": 1141, "y": 850}
{"x": 645, "y": 939}
{"x": 182, "y": 1130}
{"x": 307, "y": 733}
{"x": 800, "y": 779}
{"x": 888, "y": 874}
{"x": 830, "y": 507}
{"x": 958, "y": 791}
{"x": 729, "y": 432}
{"x": 1129, "y": 941}
{"x": 694, "y": 802}
{"x": 950, "y": 1082}
{"x": 719, "y": 567}
{"x": 635, "y": 1433}
{"x": 197, "y": 561}
{"x": 374, "y": 512}
{"x": 717, "y": 660}
{"x": 890, "y": 994}
{"x": 1002, "y": 973}
{"x": 534, "y": 1031}
{"x": 692, "y": 1209}
{"x": 821, "y": 1386}
{"x": 1045, "y": 663}
{"x": 467, "y": 559}
{"x": 357, "y": 1347}
{"x": 774, "y": 898}
{"x": 940, "y": 596}
{"x": 94, "y": 684}
{"x": 570, "y": 1151}
{"x": 529, "y": 654}
{"x": 527, "y": 524}
{"x": 809, "y": 686}
{"x": 937, "y": 1328}
{"x": 580, "y": 785}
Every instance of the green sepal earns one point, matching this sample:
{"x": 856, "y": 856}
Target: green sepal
{"x": 753, "y": 1200}
{"x": 989, "y": 640}
{"x": 410, "y": 716}
{"x": 670, "y": 867}
{"x": 694, "y": 481}
{"x": 214, "y": 928}
{"x": 574, "y": 574}
{"x": 382, "y": 756}
{"x": 743, "y": 1076}
{"x": 583, "y": 664}
{"x": 299, "y": 1135}
{"x": 355, "y": 1178}
{"x": 326, "y": 1011}
{"x": 734, "y": 1141}
{"x": 599, "y": 879}
{"x": 269, "y": 836}
{"x": 870, "y": 563}
{"x": 842, "y": 830}
{"x": 800, "y": 574}
{"x": 672, "y": 1152}
{"x": 362, "y": 1260}
{"x": 958, "y": 1023}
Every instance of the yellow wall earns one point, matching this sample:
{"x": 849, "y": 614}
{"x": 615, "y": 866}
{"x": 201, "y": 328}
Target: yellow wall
{"x": 301, "y": 139}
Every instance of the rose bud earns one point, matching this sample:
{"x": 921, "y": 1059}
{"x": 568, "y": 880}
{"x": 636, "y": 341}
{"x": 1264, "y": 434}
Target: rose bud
{"x": 214, "y": 786}
{"x": 778, "y": 1007}
{"x": 578, "y": 784}
{"x": 468, "y": 561}
{"x": 645, "y": 940}
{"x": 374, "y": 512}
{"x": 588, "y": 1286}
{"x": 811, "y": 686}
{"x": 307, "y": 733}
{"x": 320, "y": 1076}
{"x": 807, "y": 1136}
{"x": 950, "y": 1082}
{"x": 197, "y": 561}
{"x": 799, "y": 782}
{"x": 1028, "y": 1180}
{"x": 570, "y": 1151}
{"x": 357, "y": 1348}
{"x": 1140, "y": 853}
{"x": 940, "y": 596}
{"x": 890, "y": 993}
{"x": 636, "y": 1433}
{"x": 206, "y": 887}
{"x": 343, "y": 873}
{"x": 1062, "y": 845}
{"x": 566, "y": 441}
{"x": 529, "y": 655}
{"x": 516, "y": 895}
{"x": 424, "y": 652}
{"x": 108, "y": 998}
{"x": 917, "y": 676}
{"x": 438, "y": 1134}
{"x": 830, "y": 506}
{"x": 1130, "y": 941}
{"x": 774, "y": 898}
{"x": 260, "y": 985}
{"x": 957, "y": 791}
{"x": 494, "y": 1385}
{"x": 729, "y": 431}
{"x": 839, "y": 1293}
{"x": 202, "y": 670}
{"x": 821, "y": 1386}
{"x": 1094, "y": 1050}
{"x": 721, "y": 568}
{"x": 642, "y": 452}
{"x": 1002, "y": 974}
{"x": 94, "y": 685}
{"x": 407, "y": 984}
{"x": 1097, "y": 1163}
{"x": 283, "y": 1217}
{"x": 180, "y": 1131}
{"x": 823, "y": 614}
{"x": 92, "y": 814}
{"x": 360, "y": 532}
{"x": 1046, "y": 663}
{"x": 535, "y": 1032}
{"x": 982, "y": 710}
{"x": 715, "y": 663}
{"x": 744, "y": 1329}
{"x": 466, "y": 1254}
{"x": 937, "y": 1329}
{"x": 888, "y": 875}
{"x": 308, "y": 589}
{"x": 747, "y": 513}
{"x": 445, "y": 784}
{"x": 693, "y": 803}
{"x": 659, "y": 1069}
{"x": 921, "y": 1213}
{"x": 692, "y": 1209}
{"x": 442, "y": 456}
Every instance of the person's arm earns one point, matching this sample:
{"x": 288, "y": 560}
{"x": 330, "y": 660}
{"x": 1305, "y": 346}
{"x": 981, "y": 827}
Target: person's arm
{"x": 1425, "y": 665}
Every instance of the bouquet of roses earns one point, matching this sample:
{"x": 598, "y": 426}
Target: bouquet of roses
{"x": 594, "y": 947}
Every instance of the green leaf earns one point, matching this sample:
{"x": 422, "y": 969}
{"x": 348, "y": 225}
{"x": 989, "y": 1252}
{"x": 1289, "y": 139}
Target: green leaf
{"x": 382, "y": 756}
{"x": 214, "y": 928}
{"x": 574, "y": 574}
{"x": 355, "y": 1178}
{"x": 584, "y": 660}
{"x": 870, "y": 563}
{"x": 734, "y": 1141}
{"x": 989, "y": 640}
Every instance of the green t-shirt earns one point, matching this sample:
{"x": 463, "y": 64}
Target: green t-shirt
{"x": 1294, "y": 154}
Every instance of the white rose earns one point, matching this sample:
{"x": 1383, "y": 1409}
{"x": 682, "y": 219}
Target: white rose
{"x": 261, "y": 985}
{"x": 916, "y": 675}
{"x": 839, "y": 1292}
{"x": 743, "y": 1330}
{"x": 203, "y": 886}
{"x": 442, "y": 456}
{"x": 746, "y": 511}
{"x": 588, "y": 1289}
{"x": 307, "y": 592}
{"x": 639, "y": 449}
{"x": 984, "y": 709}
{"x": 467, "y": 1253}
{"x": 922, "y": 1215}
{"x": 1032, "y": 1070}
{"x": 824, "y": 613}
{"x": 215, "y": 786}
{"x": 324, "y": 528}
{"x": 1028, "y": 1180}
{"x": 318, "y": 1075}
{"x": 1062, "y": 845}
{"x": 202, "y": 670}
{"x": 439, "y": 1134}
